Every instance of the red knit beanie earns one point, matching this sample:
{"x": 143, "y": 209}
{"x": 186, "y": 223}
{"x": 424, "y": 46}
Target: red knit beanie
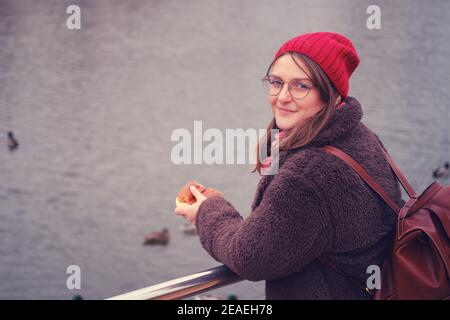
{"x": 333, "y": 52}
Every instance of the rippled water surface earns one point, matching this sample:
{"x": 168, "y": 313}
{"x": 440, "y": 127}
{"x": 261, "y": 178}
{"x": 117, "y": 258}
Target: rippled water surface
{"x": 94, "y": 110}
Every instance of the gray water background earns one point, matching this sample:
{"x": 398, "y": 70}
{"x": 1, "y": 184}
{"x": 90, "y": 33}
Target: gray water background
{"x": 94, "y": 110}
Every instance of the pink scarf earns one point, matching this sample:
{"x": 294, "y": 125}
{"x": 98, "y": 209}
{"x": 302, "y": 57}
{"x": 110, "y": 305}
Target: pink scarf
{"x": 265, "y": 164}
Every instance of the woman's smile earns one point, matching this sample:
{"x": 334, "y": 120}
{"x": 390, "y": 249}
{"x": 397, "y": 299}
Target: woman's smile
{"x": 285, "y": 111}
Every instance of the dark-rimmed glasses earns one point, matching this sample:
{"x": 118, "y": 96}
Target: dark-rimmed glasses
{"x": 298, "y": 88}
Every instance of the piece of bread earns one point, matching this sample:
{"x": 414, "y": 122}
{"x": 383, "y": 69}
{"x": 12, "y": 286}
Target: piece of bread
{"x": 185, "y": 196}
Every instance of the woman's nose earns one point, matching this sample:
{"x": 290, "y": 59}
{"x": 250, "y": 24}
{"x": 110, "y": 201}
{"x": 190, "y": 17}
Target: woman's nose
{"x": 285, "y": 95}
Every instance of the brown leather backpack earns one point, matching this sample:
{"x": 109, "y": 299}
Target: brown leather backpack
{"x": 418, "y": 263}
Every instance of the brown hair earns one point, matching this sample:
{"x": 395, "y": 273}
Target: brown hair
{"x": 304, "y": 134}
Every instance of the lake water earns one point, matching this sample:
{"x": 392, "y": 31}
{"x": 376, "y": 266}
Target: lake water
{"x": 94, "y": 110}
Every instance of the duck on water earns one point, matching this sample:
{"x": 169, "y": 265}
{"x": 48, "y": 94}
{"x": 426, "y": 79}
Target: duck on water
{"x": 157, "y": 237}
{"x": 13, "y": 144}
{"x": 442, "y": 171}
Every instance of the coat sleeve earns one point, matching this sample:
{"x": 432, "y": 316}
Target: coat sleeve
{"x": 290, "y": 228}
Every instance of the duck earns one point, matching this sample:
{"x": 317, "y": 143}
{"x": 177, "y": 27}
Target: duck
{"x": 442, "y": 171}
{"x": 13, "y": 144}
{"x": 157, "y": 237}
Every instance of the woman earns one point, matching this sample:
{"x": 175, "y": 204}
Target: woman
{"x": 315, "y": 226}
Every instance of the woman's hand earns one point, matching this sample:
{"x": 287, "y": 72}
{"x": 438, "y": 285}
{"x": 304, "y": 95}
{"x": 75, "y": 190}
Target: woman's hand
{"x": 189, "y": 212}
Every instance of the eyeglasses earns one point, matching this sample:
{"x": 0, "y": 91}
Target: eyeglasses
{"x": 298, "y": 88}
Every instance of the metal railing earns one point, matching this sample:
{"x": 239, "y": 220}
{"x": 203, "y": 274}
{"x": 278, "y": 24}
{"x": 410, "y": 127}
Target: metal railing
{"x": 184, "y": 287}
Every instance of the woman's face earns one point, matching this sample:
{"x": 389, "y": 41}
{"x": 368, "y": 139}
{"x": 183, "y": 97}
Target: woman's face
{"x": 288, "y": 111}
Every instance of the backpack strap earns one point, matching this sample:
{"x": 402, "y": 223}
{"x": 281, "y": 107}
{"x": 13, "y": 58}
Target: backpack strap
{"x": 408, "y": 188}
{"x": 365, "y": 176}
